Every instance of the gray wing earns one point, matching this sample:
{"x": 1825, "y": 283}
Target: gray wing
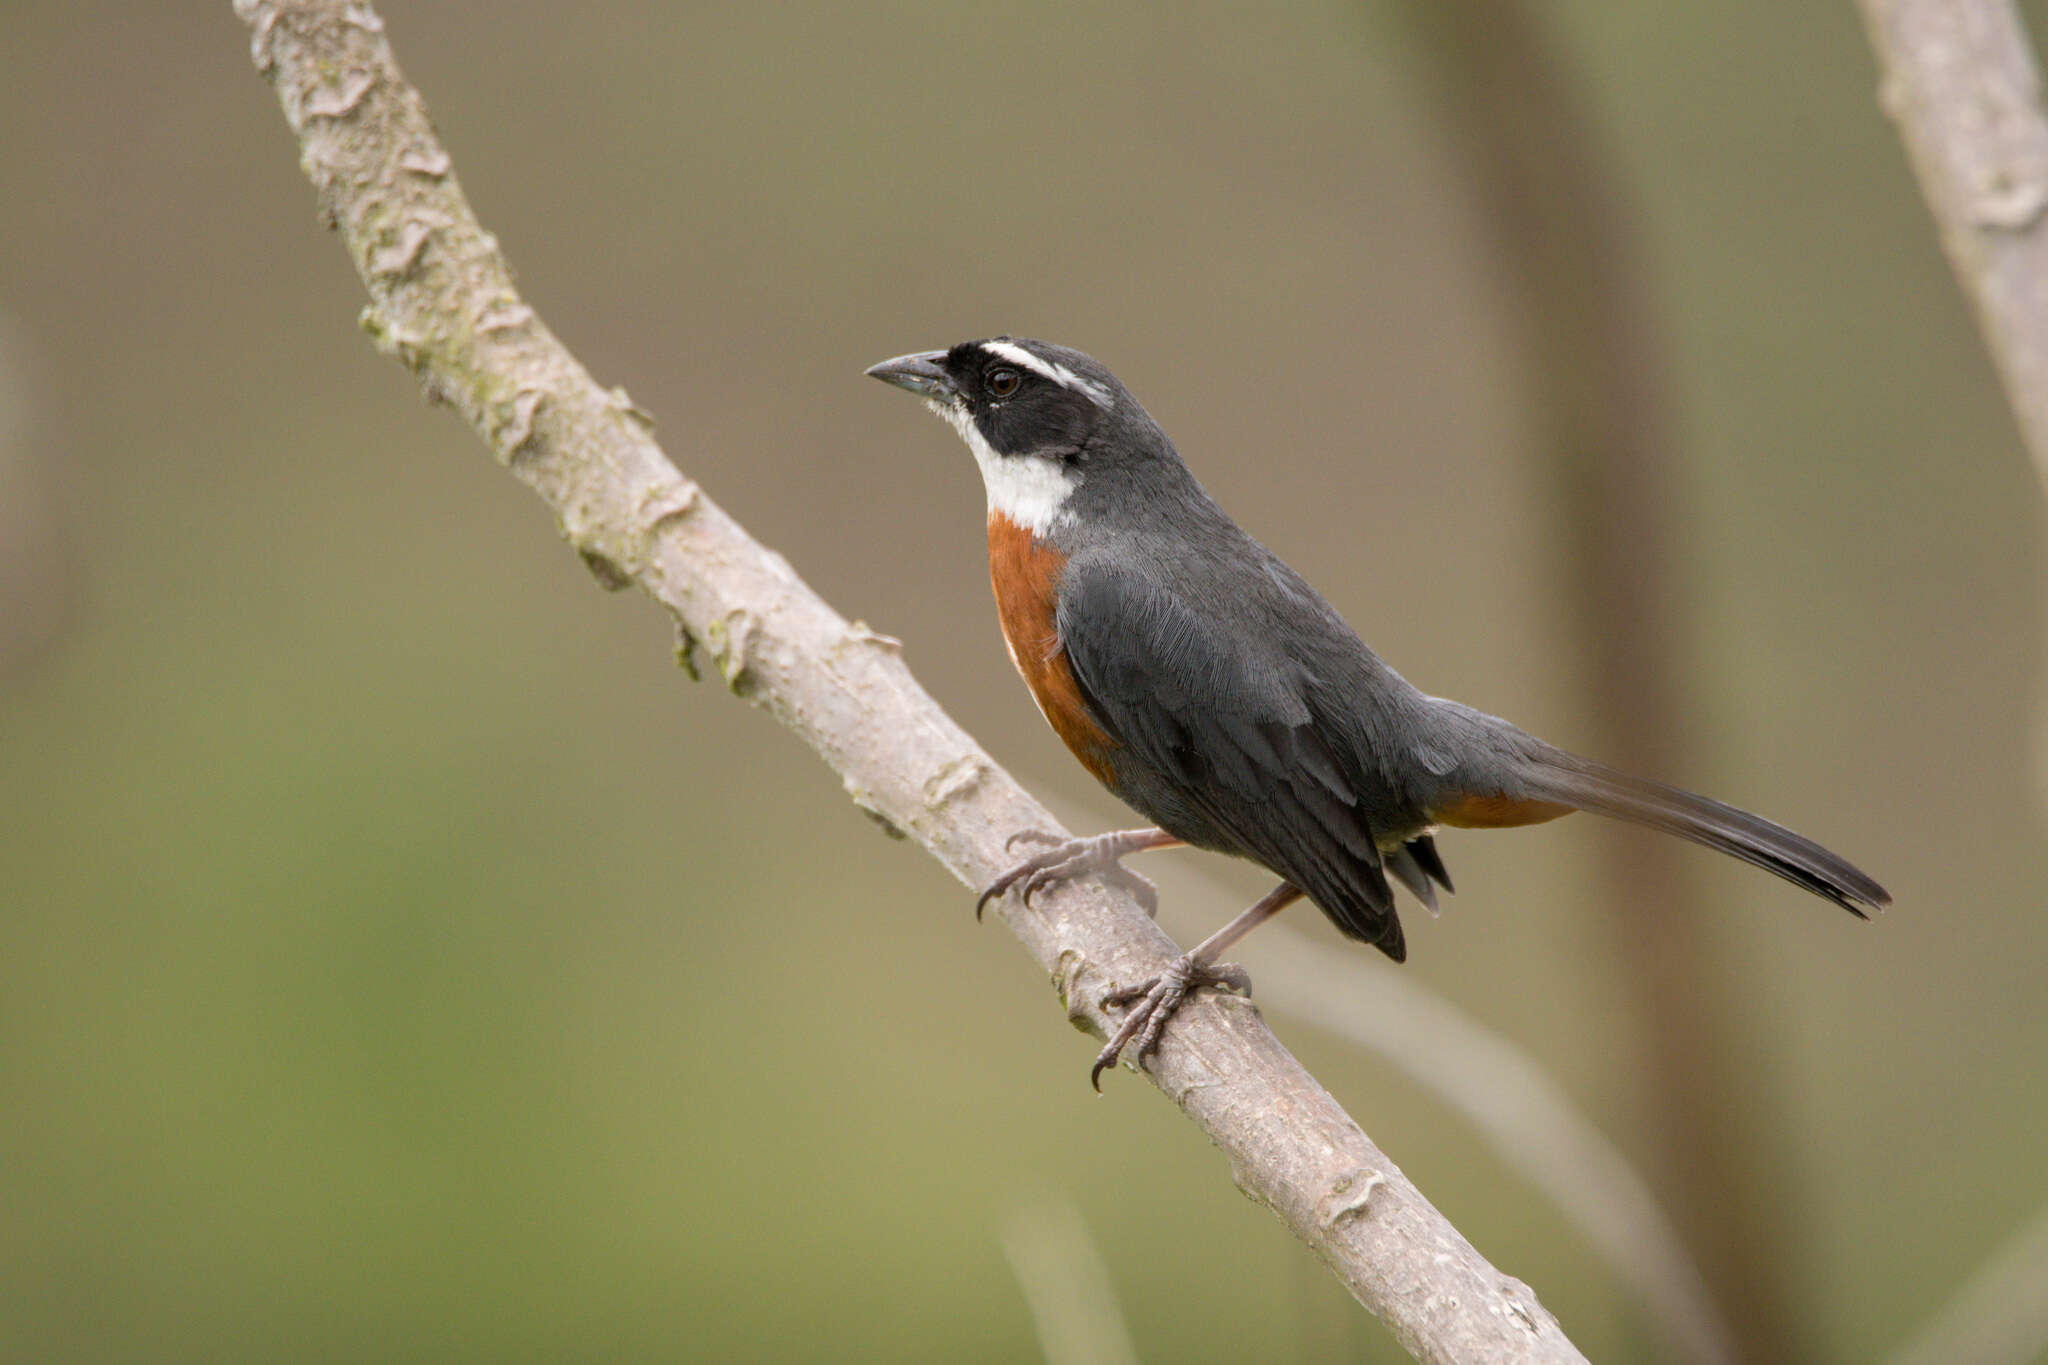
{"x": 1222, "y": 742}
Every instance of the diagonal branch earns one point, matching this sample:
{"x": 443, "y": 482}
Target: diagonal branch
{"x": 443, "y": 304}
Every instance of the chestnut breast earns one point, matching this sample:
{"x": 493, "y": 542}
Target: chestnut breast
{"x": 1025, "y": 573}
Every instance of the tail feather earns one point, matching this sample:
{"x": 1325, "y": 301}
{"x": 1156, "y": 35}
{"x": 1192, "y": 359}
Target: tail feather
{"x": 1423, "y": 849}
{"x": 1406, "y": 868}
{"x": 1573, "y": 781}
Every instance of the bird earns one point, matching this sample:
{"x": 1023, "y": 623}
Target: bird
{"x": 1211, "y": 689}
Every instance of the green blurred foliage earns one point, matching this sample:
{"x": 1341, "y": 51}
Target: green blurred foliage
{"x": 400, "y": 960}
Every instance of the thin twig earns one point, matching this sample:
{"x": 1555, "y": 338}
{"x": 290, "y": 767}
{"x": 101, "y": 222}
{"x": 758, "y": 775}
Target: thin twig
{"x": 2000, "y": 1317}
{"x": 442, "y": 302}
{"x": 1066, "y": 1284}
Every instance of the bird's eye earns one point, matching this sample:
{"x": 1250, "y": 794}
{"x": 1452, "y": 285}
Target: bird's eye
{"x": 1001, "y": 382}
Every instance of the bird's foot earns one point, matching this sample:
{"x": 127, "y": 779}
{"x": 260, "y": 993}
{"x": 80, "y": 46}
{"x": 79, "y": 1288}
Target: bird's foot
{"x": 1153, "y": 1002}
{"x": 1070, "y": 858}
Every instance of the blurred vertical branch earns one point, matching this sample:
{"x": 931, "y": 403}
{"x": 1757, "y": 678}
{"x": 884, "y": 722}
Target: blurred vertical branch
{"x": 37, "y": 557}
{"x": 1960, "y": 81}
{"x": 1588, "y": 341}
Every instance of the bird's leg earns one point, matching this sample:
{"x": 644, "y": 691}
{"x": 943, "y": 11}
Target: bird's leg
{"x": 1153, "y": 1002}
{"x": 1069, "y": 858}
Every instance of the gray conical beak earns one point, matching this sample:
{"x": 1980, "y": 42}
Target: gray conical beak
{"x": 920, "y": 373}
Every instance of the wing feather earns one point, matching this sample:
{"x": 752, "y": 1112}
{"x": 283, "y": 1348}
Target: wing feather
{"x": 1231, "y": 734}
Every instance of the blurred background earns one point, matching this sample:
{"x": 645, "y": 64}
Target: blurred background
{"x": 400, "y": 959}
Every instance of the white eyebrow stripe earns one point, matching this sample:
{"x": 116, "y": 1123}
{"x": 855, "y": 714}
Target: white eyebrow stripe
{"x": 1048, "y": 369}
{"x": 1017, "y": 355}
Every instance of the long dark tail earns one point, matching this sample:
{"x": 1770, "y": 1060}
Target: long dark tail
{"x": 1584, "y": 785}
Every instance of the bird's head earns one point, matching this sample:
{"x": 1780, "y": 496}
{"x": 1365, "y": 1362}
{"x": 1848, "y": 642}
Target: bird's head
{"x": 1034, "y": 415}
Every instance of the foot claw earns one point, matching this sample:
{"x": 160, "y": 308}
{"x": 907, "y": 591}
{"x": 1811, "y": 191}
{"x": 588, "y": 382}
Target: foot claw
{"x": 1153, "y": 1002}
{"x": 1040, "y": 879}
{"x": 1070, "y": 858}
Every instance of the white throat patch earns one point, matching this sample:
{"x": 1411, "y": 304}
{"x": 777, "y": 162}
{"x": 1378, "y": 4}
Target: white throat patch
{"x": 1031, "y": 493}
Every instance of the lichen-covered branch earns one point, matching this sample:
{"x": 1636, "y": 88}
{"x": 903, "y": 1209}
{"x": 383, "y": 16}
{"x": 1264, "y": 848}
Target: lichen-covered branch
{"x": 1960, "y": 81}
{"x": 443, "y": 304}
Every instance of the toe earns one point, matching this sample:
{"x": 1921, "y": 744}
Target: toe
{"x": 1106, "y": 1058}
{"x": 1039, "y": 879}
{"x": 1153, "y": 1004}
{"x": 1230, "y": 976}
{"x": 1129, "y": 995}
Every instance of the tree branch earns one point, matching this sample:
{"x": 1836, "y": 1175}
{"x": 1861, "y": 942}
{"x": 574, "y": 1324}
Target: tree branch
{"x": 1960, "y": 82}
{"x": 442, "y": 303}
